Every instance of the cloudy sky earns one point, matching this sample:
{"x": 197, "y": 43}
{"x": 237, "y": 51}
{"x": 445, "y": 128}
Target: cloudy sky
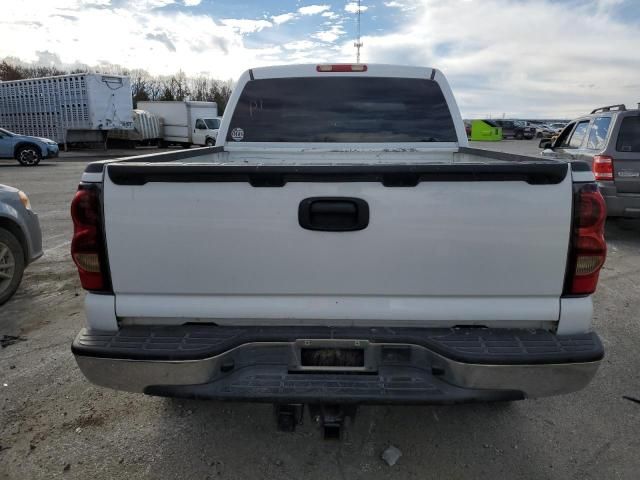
{"x": 545, "y": 58}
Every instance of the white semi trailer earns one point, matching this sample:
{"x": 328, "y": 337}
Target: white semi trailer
{"x": 68, "y": 108}
{"x": 186, "y": 122}
{"x": 147, "y": 130}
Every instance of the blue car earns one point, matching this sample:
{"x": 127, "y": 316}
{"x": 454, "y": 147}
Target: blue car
{"x": 25, "y": 149}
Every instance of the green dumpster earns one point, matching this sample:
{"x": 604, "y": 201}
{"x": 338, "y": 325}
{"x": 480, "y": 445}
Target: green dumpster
{"x": 485, "y": 130}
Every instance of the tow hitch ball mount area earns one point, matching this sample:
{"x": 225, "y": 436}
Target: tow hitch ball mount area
{"x": 331, "y": 418}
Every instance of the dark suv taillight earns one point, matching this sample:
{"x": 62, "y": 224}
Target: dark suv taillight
{"x": 588, "y": 248}
{"x": 87, "y": 246}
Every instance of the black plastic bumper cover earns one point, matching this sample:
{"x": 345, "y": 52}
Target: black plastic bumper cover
{"x": 467, "y": 345}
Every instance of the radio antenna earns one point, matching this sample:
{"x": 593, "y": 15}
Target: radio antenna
{"x": 358, "y": 43}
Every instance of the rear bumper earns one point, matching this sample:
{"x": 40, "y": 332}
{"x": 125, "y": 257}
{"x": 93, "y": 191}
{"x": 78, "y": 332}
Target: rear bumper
{"x": 620, "y": 204}
{"x": 404, "y": 366}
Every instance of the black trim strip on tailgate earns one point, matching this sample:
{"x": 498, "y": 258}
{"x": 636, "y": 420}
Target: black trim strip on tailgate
{"x": 534, "y": 173}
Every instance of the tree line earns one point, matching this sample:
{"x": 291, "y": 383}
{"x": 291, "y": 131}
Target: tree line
{"x": 144, "y": 86}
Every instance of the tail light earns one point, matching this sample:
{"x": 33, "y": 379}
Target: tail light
{"x": 87, "y": 246}
{"x": 588, "y": 248}
{"x": 354, "y": 67}
{"x": 603, "y": 167}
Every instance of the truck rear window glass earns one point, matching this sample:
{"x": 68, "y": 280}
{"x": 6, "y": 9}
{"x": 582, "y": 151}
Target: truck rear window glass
{"x": 598, "y": 133}
{"x": 629, "y": 135}
{"x": 342, "y": 109}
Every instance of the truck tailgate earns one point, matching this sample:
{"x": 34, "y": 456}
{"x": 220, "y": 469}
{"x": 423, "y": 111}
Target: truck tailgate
{"x": 451, "y": 243}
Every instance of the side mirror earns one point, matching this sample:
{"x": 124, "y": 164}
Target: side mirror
{"x": 545, "y": 143}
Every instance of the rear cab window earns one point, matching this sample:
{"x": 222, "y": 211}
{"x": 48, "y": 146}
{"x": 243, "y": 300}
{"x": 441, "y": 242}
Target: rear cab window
{"x": 598, "y": 134}
{"x": 342, "y": 109}
{"x": 629, "y": 135}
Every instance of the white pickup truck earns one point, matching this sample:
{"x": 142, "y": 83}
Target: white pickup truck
{"x": 341, "y": 244}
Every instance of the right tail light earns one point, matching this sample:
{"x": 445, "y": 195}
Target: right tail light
{"x": 588, "y": 249}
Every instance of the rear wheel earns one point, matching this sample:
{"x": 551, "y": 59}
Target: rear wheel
{"x": 11, "y": 264}
{"x": 186, "y": 145}
{"x": 28, "y": 156}
{"x": 519, "y": 135}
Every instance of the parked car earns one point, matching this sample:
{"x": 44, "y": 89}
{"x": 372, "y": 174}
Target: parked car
{"x": 20, "y": 239}
{"x": 557, "y": 127}
{"x": 25, "y": 149}
{"x": 608, "y": 139}
{"x": 329, "y": 283}
{"x": 544, "y": 130}
{"x": 514, "y": 129}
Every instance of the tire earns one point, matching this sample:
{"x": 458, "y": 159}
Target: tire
{"x": 186, "y": 145}
{"x": 519, "y": 135}
{"x": 210, "y": 142}
{"x": 28, "y": 156}
{"x": 162, "y": 144}
{"x": 539, "y": 135}
{"x": 11, "y": 253}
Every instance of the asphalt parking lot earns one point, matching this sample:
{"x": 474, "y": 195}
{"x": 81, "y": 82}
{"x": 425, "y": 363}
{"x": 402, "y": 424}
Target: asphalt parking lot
{"x": 54, "y": 424}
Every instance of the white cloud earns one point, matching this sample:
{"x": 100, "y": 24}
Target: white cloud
{"x": 352, "y": 7}
{"x": 192, "y": 3}
{"x": 330, "y": 35}
{"x": 313, "y": 9}
{"x": 558, "y": 59}
{"x": 554, "y": 64}
{"x": 330, "y": 15}
{"x": 285, "y": 17}
{"x": 159, "y": 41}
{"x": 300, "y": 45}
{"x": 308, "y": 10}
{"x": 244, "y": 25}
{"x": 140, "y": 4}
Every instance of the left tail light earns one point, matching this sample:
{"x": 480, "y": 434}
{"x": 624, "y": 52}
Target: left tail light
{"x": 588, "y": 248}
{"x": 603, "y": 167}
{"x": 87, "y": 246}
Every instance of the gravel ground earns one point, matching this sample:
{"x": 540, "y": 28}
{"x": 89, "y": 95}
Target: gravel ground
{"x": 54, "y": 424}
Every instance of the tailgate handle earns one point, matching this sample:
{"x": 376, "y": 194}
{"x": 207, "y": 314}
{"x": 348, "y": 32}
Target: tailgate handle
{"x": 333, "y": 214}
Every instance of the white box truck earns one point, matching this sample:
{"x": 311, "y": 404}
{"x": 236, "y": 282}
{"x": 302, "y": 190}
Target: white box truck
{"x": 68, "y": 108}
{"x": 186, "y": 122}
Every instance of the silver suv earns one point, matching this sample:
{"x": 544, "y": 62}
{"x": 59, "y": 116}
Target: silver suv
{"x": 20, "y": 239}
{"x": 609, "y": 140}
